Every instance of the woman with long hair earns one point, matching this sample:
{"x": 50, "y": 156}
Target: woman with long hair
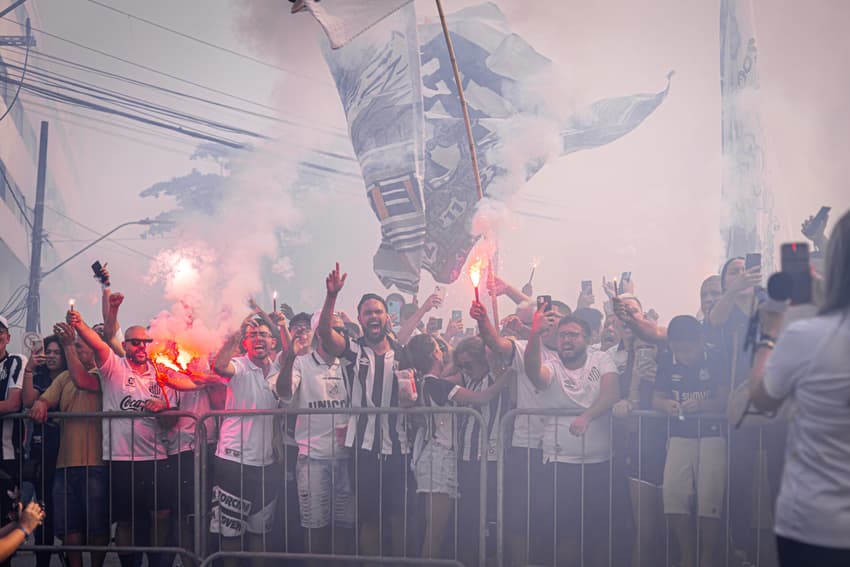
{"x": 42, "y": 447}
{"x": 809, "y": 366}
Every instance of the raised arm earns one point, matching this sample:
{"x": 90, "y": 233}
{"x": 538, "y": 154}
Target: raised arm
{"x": 284, "y": 379}
{"x": 111, "y": 304}
{"x": 223, "y": 365}
{"x": 497, "y": 286}
{"x": 91, "y": 338}
{"x": 645, "y": 329}
{"x": 721, "y": 311}
{"x": 433, "y": 302}
{"x": 489, "y": 333}
{"x": 539, "y": 374}
{"x": 79, "y": 374}
{"x": 333, "y": 342}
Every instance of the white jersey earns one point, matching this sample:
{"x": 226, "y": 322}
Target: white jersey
{"x": 528, "y": 429}
{"x": 317, "y": 385}
{"x": 126, "y": 390}
{"x": 182, "y": 437}
{"x": 577, "y": 390}
{"x": 248, "y": 440}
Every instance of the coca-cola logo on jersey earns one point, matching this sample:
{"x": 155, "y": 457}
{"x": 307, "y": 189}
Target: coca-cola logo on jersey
{"x": 131, "y": 404}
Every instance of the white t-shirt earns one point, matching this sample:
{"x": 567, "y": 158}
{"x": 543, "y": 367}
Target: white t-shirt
{"x": 248, "y": 440}
{"x": 316, "y": 385}
{"x": 577, "y": 390}
{"x": 528, "y": 429}
{"x": 811, "y": 366}
{"x": 125, "y": 390}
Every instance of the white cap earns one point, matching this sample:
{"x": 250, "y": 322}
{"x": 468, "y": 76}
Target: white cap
{"x": 4, "y": 322}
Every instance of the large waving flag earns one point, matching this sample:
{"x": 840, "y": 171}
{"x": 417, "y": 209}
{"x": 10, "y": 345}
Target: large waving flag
{"x": 749, "y": 218}
{"x": 406, "y": 125}
{"x": 343, "y": 20}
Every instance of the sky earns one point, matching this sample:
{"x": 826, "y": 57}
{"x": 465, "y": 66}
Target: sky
{"x": 648, "y": 203}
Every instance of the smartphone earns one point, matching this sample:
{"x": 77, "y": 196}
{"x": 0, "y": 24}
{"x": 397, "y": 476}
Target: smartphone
{"x": 817, "y": 223}
{"x": 544, "y": 301}
{"x": 440, "y": 290}
{"x": 587, "y": 287}
{"x": 394, "y": 311}
{"x": 469, "y": 332}
{"x": 795, "y": 263}
{"x": 457, "y": 315}
{"x": 434, "y": 324}
{"x": 625, "y": 277}
{"x": 752, "y": 261}
{"x": 97, "y": 268}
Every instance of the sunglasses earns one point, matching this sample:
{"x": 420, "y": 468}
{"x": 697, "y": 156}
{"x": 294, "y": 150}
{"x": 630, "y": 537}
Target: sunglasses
{"x": 139, "y": 342}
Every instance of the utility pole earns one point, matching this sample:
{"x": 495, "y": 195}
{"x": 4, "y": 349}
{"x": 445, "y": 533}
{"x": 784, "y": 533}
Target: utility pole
{"x": 33, "y": 298}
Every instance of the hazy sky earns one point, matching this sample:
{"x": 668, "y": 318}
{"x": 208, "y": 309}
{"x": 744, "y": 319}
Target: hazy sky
{"x": 648, "y": 203}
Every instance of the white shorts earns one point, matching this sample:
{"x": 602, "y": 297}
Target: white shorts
{"x": 436, "y": 470}
{"x": 324, "y": 484}
{"x": 695, "y": 467}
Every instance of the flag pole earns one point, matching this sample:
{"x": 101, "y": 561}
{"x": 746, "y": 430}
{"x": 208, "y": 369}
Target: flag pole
{"x": 472, "y": 151}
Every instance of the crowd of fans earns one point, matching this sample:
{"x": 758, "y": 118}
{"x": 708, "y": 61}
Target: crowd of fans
{"x": 620, "y": 451}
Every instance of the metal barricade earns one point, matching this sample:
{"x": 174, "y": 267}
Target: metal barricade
{"x": 202, "y": 471}
{"x": 350, "y": 560}
{"x": 83, "y": 480}
{"x": 650, "y": 432}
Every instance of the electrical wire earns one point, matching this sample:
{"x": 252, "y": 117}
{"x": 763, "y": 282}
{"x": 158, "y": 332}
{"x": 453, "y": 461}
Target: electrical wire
{"x": 15, "y": 197}
{"x": 205, "y": 42}
{"x": 95, "y": 232}
{"x": 21, "y": 82}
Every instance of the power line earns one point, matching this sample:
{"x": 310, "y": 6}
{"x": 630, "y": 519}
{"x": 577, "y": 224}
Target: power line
{"x": 93, "y": 231}
{"x": 337, "y": 132}
{"x": 204, "y": 42}
{"x": 153, "y": 70}
{"x": 23, "y": 76}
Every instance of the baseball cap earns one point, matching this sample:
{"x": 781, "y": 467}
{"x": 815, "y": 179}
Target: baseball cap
{"x": 4, "y": 323}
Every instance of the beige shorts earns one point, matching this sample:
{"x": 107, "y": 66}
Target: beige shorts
{"x": 695, "y": 468}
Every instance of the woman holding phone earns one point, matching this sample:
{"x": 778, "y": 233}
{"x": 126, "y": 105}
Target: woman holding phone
{"x": 809, "y": 366}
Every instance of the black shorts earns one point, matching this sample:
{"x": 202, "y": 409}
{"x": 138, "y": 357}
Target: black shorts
{"x": 244, "y": 498}
{"x": 384, "y": 483}
{"x": 140, "y": 487}
{"x": 523, "y": 470}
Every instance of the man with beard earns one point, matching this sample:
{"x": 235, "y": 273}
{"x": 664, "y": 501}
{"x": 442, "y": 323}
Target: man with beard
{"x": 135, "y": 450}
{"x": 577, "y": 451}
{"x": 380, "y": 440}
{"x": 246, "y": 477}
{"x": 524, "y": 457}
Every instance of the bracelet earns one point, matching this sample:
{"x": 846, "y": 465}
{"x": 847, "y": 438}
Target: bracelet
{"x": 765, "y": 343}
{"x": 26, "y": 533}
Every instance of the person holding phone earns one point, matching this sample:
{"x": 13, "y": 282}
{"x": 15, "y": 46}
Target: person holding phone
{"x": 728, "y": 324}
{"x": 808, "y": 364}
{"x": 576, "y": 450}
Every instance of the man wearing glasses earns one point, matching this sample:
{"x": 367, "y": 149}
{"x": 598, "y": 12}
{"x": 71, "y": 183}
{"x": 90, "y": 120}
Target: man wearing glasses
{"x": 133, "y": 449}
{"x": 246, "y": 477}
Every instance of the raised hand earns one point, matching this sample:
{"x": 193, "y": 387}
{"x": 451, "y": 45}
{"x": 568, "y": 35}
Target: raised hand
{"x": 65, "y": 332}
{"x": 434, "y": 301}
{"x": 477, "y": 311}
{"x": 115, "y": 300}
{"x": 335, "y": 281}
{"x": 74, "y": 318}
